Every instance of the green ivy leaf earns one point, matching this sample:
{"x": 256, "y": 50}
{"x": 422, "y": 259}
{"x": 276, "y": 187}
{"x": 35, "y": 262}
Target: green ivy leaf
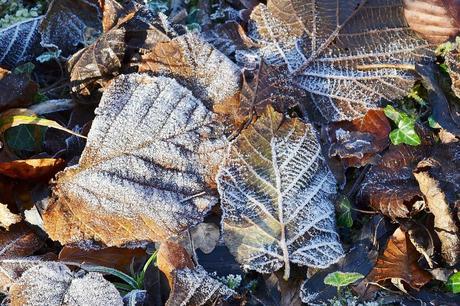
{"x": 405, "y": 133}
{"x": 344, "y": 218}
{"x": 341, "y": 279}
{"x": 453, "y": 283}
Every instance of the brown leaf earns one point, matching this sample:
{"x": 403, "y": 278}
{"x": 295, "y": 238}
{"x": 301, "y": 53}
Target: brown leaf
{"x": 172, "y": 256}
{"x": 32, "y": 169}
{"x": 7, "y": 218}
{"x": 390, "y": 187}
{"x": 434, "y": 20}
{"x": 228, "y": 37}
{"x": 112, "y": 13}
{"x": 16, "y": 90}
{"x": 18, "y": 241}
{"x": 357, "y": 142}
{"x": 399, "y": 261}
{"x": 112, "y": 257}
{"x": 439, "y": 181}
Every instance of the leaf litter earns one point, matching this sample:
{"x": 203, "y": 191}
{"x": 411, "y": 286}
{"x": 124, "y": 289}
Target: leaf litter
{"x": 309, "y": 148}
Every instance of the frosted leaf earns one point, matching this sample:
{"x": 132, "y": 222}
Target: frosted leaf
{"x": 12, "y": 269}
{"x": 51, "y": 283}
{"x": 148, "y": 168}
{"x": 69, "y": 24}
{"x": 195, "y": 287}
{"x": 20, "y": 43}
{"x": 347, "y": 55}
{"x": 19, "y": 240}
{"x": 276, "y": 192}
{"x": 7, "y": 218}
{"x": 228, "y": 37}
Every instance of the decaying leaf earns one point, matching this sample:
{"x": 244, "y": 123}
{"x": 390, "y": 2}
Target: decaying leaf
{"x": 70, "y": 24}
{"x": 32, "y": 169}
{"x": 54, "y": 284}
{"x": 390, "y": 187}
{"x": 172, "y": 256}
{"x": 18, "y": 241}
{"x": 399, "y": 261}
{"x": 357, "y": 142}
{"x": 276, "y": 194}
{"x": 228, "y": 37}
{"x": 7, "y": 218}
{"x": 439, "y": 181}
{"x": 146, "y": 172}
{"x": 195, "y": 287}
{"x": 16, "y": 90}
{"x": 20, "y": 43}
{"x": 435, "y": 20}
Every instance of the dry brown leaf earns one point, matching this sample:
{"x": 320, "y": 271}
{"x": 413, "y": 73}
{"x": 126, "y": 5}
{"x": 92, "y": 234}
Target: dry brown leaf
{"x": 117, "y": 258}
{"x": 434, "y": 20}
{"x": 54, "y": 284}
{"x": 172, "y": 256}
{"x": 399, "y": 261}
{"x": 16, "y": 90}
{"x": 357, "y": 142}
{"x": 390, "y": 187}
{"x": 32, "y": 169}
{"x": 7, "y": 218}
{"x": 228, "y": 37}
{"x": 148, "y": 169}
{"x": 113, "y": 12}
{"x": 19, "y": 241}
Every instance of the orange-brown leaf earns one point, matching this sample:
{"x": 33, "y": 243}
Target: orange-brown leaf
{"x": 172, "y": 256}
{"x": 32, "y": 169}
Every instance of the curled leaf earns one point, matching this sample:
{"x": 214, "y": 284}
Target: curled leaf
{"x": 276, "y": 193}
{"x": 32, "y": 169}
{"x": 172, "y": 256}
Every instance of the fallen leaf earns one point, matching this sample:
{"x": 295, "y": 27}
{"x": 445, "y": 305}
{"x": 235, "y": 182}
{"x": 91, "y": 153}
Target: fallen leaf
{"x": 390, "y": 187}
{"x": 172, "y": 256}
{"x": 228, "y": 37}
{"x": 347, "y": 56}
{"x": 112, "y": 13}
{"x": 32, "y": 169}
{"x": 7, "y": 218}
{"x": 117, "y": 258}
{"x": 276, "y": 196}
{"x": 195, "y": 287}
{"x": 435, "y": 20}
{"x": 54, "y": 284}
{"x": 151, "y": 158}
{"x": 205, "y": 237}
{"x": 399, "y": 261}
{"x": 439, "y": 181}
{"x": 357, "y": 142}
{"x": 17, "y": 90}
{"x": 18, "y": 241}
{"x": 20, "y": 43}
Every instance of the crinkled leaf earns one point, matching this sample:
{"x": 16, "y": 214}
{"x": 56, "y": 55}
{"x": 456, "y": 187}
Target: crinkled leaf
{"x": 341, "y": 279}
{"x": 195, "y": 287}
{"x": 453, "y": 283}
{"x": 400, "y": 261}
{"x": 347, "y": 55}
{"x": 276, "y": 194}
{"x": 148, "y": 169}
{"x": 405, "y": 133}
{"x": 54, "y": 284}
{"x": 20, "y": 43}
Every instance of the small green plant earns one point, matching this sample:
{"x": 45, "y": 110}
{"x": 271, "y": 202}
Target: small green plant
{"x": 341, "y": 279}
{"x": 453, "y": 283}
{"x": 232, "y": 281}
{"x": 405, "y": 133}
{"x": 343, "y": 209}
{"x": 12, "y": 12}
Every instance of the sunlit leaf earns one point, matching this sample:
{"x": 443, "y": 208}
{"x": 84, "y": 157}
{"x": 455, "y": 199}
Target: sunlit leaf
{"x": 453, "y": 283}
{"x": 341, "y": 279}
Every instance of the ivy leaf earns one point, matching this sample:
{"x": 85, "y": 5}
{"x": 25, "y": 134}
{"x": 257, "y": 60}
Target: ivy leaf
{"x": 148, "y": 169}
{"x": 405, "y": 133}
{"x": 342, "y": 279}
{"x": 343, "y": 211}
{"x": 276, "y": 194}
{"x": 453, "y": 283}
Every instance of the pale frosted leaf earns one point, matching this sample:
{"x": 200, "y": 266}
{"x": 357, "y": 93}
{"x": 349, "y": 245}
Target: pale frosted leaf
{"x": 71, "y": 24}
{"x": 148, "y": 168}
{"x": 347, "y": 55}
{"x": 276, "y": 192}
{"x": 12, "y": 269}
{"x": 20, "y": 43}
{"x": 228, "y": 37}
{"x": 7, "y": 218}
{"x": 54, "y": 284}
{"x": 195, "y": 287}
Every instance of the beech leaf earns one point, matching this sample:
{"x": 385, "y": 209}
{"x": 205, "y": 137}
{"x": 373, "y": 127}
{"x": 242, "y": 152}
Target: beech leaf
{"x": 147, "y": 172}
{"x": 276, "y": 195}
{"x": 348, "y": 56}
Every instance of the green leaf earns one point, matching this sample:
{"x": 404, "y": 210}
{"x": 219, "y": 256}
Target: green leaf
{"x": 392, "y": 113}
{"x": 453, "y": 283}
{"x": 344, "y": 218}
{"x": 405, "y": 133}
{"x": 433, "y": 123}
{"x": 28, "y": 138}
{"x": 341, "y": 279}
{"x": 48, "y": 56}
{"x": 27, "y": 68}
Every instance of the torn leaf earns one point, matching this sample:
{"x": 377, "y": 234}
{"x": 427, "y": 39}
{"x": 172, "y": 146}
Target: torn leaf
{"x": 276, "y": 195}
{"x": 147, "y": 172}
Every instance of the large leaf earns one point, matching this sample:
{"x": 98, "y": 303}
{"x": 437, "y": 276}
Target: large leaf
{"x": 20, "y": 43}
{"x": 54, "y": 284}
{"x": 347, "y": 55}
{"x": 276, "y": 192}
{"x": 146, "y": 172}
